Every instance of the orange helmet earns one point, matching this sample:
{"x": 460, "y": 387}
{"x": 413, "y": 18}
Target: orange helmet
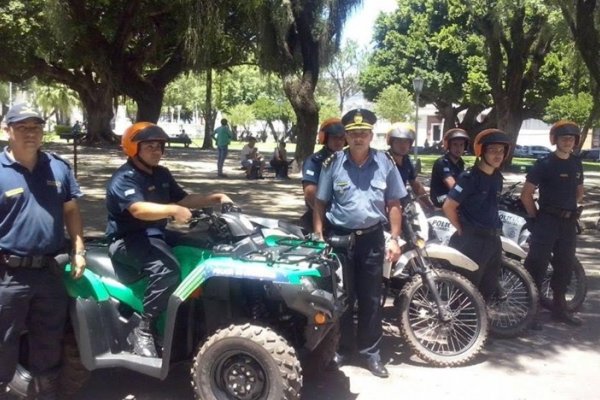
{"x": 564, "y": 128}
{"x": 455, "y": 133}
{"x": 141, "y": 132}
{"x": 331, "y": 126}
{"x": 491, "y": 136}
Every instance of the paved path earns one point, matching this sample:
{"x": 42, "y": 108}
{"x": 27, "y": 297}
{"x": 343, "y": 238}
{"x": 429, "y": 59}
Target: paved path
{"x": 556, "y": 363}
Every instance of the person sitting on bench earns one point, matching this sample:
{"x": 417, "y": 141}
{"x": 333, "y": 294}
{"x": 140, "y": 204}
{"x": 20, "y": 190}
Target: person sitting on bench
{"x": 251, "y": 160}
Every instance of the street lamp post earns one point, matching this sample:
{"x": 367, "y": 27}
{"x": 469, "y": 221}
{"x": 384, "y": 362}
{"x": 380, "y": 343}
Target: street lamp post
{"x": 418, "y": 87}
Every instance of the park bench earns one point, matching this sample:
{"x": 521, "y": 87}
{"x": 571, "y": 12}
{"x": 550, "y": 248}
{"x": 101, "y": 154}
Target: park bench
{"x": 186, "y": 141}
{"x": 68, "y": 136}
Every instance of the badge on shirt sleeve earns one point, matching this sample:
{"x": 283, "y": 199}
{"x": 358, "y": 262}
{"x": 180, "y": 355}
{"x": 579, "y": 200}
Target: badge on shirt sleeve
{"x": 310, "y": 172}
{"x": 14, "y": 192}
{"x": 458, "y": 188}
{"x": 129, "y": 192}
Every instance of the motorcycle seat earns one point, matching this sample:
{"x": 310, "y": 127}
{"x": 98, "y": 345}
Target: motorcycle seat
{"x": 99, "y": 262}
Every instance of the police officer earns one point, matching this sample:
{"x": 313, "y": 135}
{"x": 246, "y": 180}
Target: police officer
{"x": 400, "y": 140}
{"x": 141, "y": 196}
{"x": 38, "y": 195}
{"x": 333, "y": 138}
{"x": 363, "y": 189}
{"x": 559, "y": 178}
{"x": 472, "y": 207}
{"x": 448, "y": 167}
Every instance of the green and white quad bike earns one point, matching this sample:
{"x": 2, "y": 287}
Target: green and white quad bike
{"x": 252, "y": 309}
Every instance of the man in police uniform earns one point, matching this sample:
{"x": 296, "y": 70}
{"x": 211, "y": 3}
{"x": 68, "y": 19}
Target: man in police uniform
{"x": 363, "y": 188}
{"x": 400, "y": 140}
{"x": 38, "y": 195}
{"x": 333, "y": 136}
{"x": 472, "y": 207}
{"x": 141, "y": 196}
{"x": 559, "y": 177}
{"x": 448, "y": 167}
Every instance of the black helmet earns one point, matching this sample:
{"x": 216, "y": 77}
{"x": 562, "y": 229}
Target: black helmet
{"x": 491, "y": 136}
{"x": 455, "y": 133}
{"x": 564, "y": 128}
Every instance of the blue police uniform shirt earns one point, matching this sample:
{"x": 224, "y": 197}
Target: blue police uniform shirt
{"x": 557, "y": 180}
{"x": 477, "y": 193}
{"x": 31, "y": 204}
{"x": 311, "y": 169}
{"x": 358, "y": 195}
{"x": 442, "y": 169}
{"x": 130, "y": 185}
{"x": 407, "y": 170}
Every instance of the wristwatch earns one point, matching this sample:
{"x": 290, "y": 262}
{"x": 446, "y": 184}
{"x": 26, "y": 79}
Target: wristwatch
{"x": 81, "y": 253}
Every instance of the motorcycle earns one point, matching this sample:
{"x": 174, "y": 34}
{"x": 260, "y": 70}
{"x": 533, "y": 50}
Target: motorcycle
{"x": 442, "y": 314}
{"x": 512, "y": 315}
{"x": 254, "y": 307}
{"x": 512, "y": 214}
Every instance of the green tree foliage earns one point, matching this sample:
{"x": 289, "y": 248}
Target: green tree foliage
{"x": 295, "y": 39}
{"x": 341, "y": 75}
{"x": 241, "y": 115}
{"x": 55, "y": 100}
{"x": 394, "y": 104}
{"x": 573, "y": 107}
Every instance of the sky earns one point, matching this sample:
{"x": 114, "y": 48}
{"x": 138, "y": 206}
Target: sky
{"x": 359, "y": 26}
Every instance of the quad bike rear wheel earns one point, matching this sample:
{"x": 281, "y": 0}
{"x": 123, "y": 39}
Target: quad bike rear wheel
{"x": 246, "y": 362}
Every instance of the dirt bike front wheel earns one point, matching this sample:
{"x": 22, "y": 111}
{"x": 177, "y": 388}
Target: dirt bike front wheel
{"x": 443, "y": 342}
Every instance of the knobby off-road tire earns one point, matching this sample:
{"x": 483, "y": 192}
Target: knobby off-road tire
{"x": 72, "y": 377}
{"x": 512, "y": 316}
{"x": 443, "y": 343}
{"x": 246, "y": 362}
{"x": 576, "y": 291}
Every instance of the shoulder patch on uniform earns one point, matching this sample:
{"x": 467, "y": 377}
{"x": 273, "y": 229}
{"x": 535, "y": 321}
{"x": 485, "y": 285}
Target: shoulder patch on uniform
{"x": 329, "y": 160}
{"x": 59, "y": 158}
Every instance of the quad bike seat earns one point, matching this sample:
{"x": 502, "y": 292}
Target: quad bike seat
{"x": 99, "y": 262}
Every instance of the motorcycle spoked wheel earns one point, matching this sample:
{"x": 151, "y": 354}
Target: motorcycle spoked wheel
{"x": 72, "y": 376}
{"x": 576, "y": 291}
{"x": 246, "y": 362}
{"x": 513, "y": 315}
{"x": 443, "y": 343}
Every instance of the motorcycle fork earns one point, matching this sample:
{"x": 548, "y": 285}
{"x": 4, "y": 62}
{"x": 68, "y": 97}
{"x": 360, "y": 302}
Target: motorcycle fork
{"x": 423, "y": 268}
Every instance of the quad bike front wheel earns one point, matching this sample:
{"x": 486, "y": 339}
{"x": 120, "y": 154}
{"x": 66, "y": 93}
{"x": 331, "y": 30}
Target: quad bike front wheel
{"x": 511, "y": 315}
{"x": 453, "y": 339}
{"x": 576, "y": 290}
{"x": 246, "y": 362}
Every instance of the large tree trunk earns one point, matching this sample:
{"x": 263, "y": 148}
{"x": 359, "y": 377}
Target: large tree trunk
{"x": 301, "y": 94}
{"x": 149, "y": 104}
{"x": 98, "y": 105}
{"x": 209, "y": 114}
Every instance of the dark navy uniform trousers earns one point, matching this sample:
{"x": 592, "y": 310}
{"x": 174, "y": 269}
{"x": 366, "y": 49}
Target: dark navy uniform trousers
{"x": 32, "y": 300}
{"x": 363, "y": 274}
{"x": 552, "y": 240}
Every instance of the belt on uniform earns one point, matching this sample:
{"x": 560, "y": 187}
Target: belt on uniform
{"x": 474, "y": 230}
{"x": 559, "y": 212}
{"x": 364, "y": 231}
{"x": 34, "y": 262}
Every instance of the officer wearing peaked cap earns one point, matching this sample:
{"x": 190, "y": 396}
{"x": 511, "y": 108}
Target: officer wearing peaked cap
{"x": 363, "y": 189}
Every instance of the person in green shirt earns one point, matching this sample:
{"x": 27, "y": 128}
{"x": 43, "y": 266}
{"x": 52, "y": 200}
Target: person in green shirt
{"x": 222, "y": 136}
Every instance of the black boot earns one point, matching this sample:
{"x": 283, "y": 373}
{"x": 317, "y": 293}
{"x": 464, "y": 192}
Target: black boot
{"x": 560, "y": 311}
{"x": 4, "y": 391}
{"x": 46, "y": 386}
{"x": 142, "y": 339}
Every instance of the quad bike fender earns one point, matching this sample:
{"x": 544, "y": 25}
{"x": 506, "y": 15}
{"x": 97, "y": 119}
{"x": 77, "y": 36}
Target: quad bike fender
{"x": 89, "y": 285}
{"x": 511, "y": 247}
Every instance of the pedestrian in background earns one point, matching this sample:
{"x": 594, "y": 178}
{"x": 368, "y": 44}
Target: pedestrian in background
{"x": 222, "y": 136}
{"x": 38, "y": 194}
